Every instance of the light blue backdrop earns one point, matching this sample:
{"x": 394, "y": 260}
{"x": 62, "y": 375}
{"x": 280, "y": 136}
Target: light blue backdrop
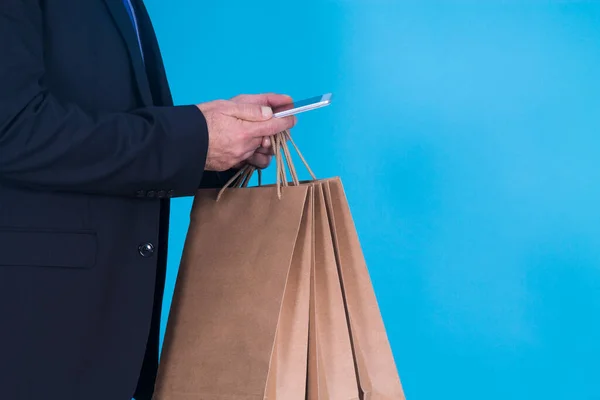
{"x": 467, "y": 135}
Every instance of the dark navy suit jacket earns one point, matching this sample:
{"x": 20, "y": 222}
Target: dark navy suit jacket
{"x": 91, "y": 150}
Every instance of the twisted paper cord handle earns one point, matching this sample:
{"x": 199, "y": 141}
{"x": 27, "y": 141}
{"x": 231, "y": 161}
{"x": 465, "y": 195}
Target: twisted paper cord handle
{"x": 282, "y": 157}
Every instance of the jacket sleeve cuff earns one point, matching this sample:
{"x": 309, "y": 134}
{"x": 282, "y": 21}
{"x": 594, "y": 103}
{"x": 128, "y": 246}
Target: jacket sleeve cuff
{"x": 187, "y": 148}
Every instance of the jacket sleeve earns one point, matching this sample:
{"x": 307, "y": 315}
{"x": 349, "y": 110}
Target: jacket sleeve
{"x": 49, "y": 144}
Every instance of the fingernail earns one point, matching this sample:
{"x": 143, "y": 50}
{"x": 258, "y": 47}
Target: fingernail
{"x": 266, "y": 142}
{"x": 267, "y": 112}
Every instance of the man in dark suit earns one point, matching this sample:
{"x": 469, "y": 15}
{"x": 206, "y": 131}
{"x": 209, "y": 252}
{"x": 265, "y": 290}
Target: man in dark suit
{"x": 91, "y": 150}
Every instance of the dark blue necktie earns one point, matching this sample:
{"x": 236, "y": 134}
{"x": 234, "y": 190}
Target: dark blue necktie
{"x": 131, "y": 12}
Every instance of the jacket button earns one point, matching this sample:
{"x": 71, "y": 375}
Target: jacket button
{"x": 146, "y": 249}
{"x": 161, "y": 194}
{"x": 140, "y": 193}
{"x": 170, "y": 193}
{"x": 151, "y": 193}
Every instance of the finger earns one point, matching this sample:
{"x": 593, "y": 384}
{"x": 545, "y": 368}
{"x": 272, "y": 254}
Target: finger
{"x": 265, "y": 99}
{"x": 248, "y": 112}
{"x": 250, "y": 147}
{"x": 250, "y": 99}
{"x": 246, "y": 157}
{"x": 259, "y": 160}
{"x": 266, "y": 143}
{"x": 274, "y": 100}
{"x": 265, "y": 150}
{"x": 254, "y": 144}
{"x": 270, "y": 127}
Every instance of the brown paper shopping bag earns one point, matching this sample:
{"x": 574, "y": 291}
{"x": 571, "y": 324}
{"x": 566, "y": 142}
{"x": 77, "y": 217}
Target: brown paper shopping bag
{"x": 376, "y": 369}
{"x": 232, "y": 285}
{"x": 287, "y": 372}
{"x": 331, "y": 365}
{"x": 273, "y": 301}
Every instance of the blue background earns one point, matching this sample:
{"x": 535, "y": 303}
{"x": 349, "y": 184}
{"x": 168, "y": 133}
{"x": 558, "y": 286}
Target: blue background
{"x": 467, "y": 137}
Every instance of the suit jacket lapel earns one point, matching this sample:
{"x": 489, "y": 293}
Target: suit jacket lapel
{"x": 123, "y": 22}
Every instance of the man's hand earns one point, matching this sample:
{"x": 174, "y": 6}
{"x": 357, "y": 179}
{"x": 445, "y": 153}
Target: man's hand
{"x": 237, "y": 130}
{"x": 261, "y": 158}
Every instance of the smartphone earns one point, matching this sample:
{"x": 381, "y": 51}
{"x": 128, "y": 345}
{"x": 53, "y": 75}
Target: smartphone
{"x": 302, "y": 106}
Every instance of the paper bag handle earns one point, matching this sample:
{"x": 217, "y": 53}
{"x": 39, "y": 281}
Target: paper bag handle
{"x": 282, "y": 152}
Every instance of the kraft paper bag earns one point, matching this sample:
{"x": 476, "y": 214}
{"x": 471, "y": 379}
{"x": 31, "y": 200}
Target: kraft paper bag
{"x": 287, "y": 372}
{"x": 377, "y": 372}
{"x": 331, "y": 350}
{"x": 246, "y": 262}
{"x": 273, "y": 299}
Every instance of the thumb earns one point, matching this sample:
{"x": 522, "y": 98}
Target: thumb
{"x": 251, "y": 112}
